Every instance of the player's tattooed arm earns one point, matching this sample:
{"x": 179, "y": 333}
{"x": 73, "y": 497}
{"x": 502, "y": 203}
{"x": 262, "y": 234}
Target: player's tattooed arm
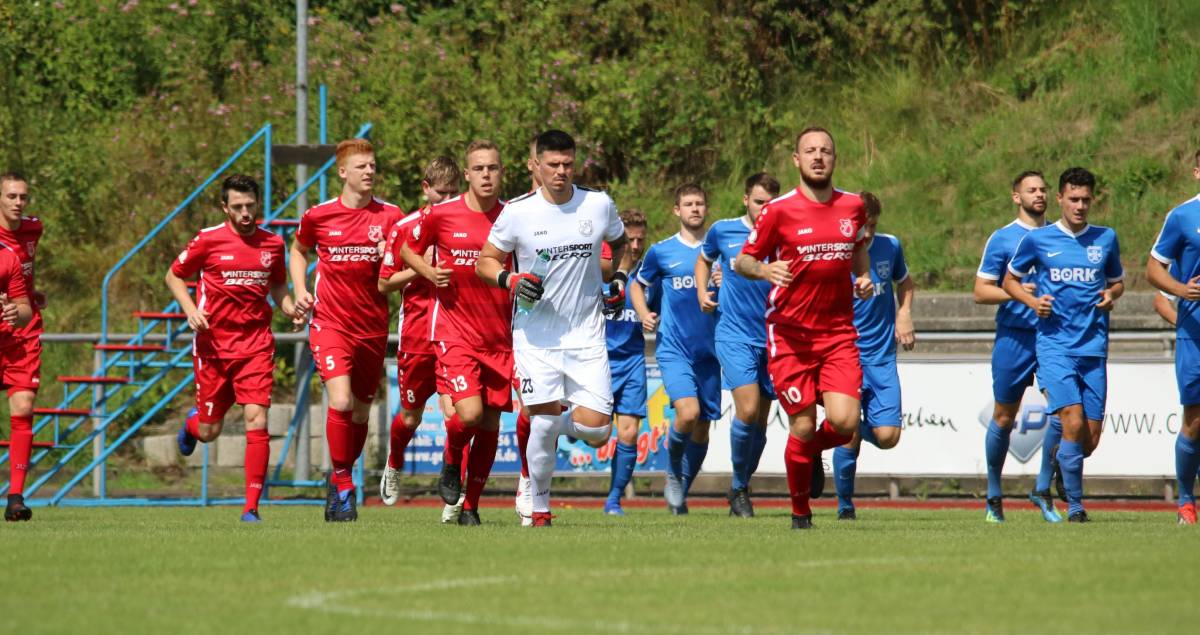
{"x": 1018, "y": 291}
{"x": 703, "y": 271}
{"x": 776, "y": 272}
{"x": 298, "y": 272}
{"x": 1110, "y": 295}
{"x": 905, "y": 333}
{"x": 1159, "y": 275}
{"x": 490, "y": 264}
{"x": 197, "y": 318}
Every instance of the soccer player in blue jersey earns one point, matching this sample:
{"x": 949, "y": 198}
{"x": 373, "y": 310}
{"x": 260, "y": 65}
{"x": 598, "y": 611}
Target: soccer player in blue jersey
{"x": 684, "y": 349}
{"x": 882, "y": 320}
{"x": 741, "y": 337}
{"x": 1014, "y": 358}
{"x": 1174, "y": 268}
{"x": 627, "y": 361}
{"x": 1078, "y": 274}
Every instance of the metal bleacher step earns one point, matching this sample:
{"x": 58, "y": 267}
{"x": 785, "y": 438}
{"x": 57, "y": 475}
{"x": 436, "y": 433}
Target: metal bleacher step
{"x": 283, "y": 222}
{"x": 159, "y": 315}
{"x": 84, "y": 379}
{"x": 43, "y": 445}
{"x": 130, "y": 348}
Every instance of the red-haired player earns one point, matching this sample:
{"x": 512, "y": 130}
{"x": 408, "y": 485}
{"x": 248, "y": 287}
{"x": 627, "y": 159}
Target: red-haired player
{"x": 233, "y": 354}
{"x": 349, "y": 329}
{"x": 471, "y": 325}
{"x": 20, "y": 347}
{"x": 813, "y": 238}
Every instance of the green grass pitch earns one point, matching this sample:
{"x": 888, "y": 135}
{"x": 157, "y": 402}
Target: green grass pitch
{"x": 181, "y": 570}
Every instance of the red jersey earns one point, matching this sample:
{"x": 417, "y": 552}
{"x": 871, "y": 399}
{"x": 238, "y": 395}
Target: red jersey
{"x": 469, "y": 310}
{"x": 819, "y": 239}
{"x": 416, "y": 299}
{"x": 348, "y": 255}
{"x": 23, "y": 241}
{"x": 236, "y": 276}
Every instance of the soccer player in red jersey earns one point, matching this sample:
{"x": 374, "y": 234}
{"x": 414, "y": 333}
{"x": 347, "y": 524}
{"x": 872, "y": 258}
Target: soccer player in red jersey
{"x": 20, "y": 347}
{"x": 349, "y": 329}
{"x": 416, "y": 363}
{"x": 239, "y": 264}
{"x": 807, "y": 243}
{"x": 471, "y": 325}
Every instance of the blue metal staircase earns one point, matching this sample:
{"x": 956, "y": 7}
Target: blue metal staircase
{"x": 133, "y": 381}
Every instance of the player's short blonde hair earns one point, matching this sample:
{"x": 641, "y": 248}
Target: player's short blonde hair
{"x": 350, "y": 147}
{"x": 480, "y": 144}
{"x": 633, "y": 217}
{"x": 442, "y": 171}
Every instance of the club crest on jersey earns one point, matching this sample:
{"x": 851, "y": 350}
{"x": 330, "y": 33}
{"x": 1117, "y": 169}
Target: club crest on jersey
{"x": 266, "y": 258}
{"x": 1095, "y": 254}
{"x": 30, "y": 247}
{"x": 585, "y": 228}
{"x": 375, "y": 233}
{"x": 884, "y": 270}
{"x": 753, "y": 236}
{"x": 845, "y": 226}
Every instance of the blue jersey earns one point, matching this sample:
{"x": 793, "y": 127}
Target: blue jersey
{"x": 683, "y": 328}
{"x": 875, "y": 318}
{"x": 996, "y": 254}
{"x": 1178, "y": 243}
{"x": 742, "y": 301}
{"x": 623, "y": 330}
{"x": 1074, "y": 269}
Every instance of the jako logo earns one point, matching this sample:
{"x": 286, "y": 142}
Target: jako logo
{"x": 1030, "y": 427}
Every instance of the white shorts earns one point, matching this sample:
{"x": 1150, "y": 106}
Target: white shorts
{"x": 576, "y": 375}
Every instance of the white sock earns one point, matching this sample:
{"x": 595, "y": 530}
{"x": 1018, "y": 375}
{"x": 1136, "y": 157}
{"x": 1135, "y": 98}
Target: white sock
{"x": 540, "y": 454}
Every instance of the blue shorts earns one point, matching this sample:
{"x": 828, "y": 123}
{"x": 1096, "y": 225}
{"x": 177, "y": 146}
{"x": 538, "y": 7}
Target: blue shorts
{"x": 881, "y": 396}
{"x": 743, "y": 364}
{"x": 701, "y": 379}
{"x": 629, "y": 385}
{"x": 1075, "y": 380}
{"x": 1014, "y": 362}
{"x": 1187, "y": 370}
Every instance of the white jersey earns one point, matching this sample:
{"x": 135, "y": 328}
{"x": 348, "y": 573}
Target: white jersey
{"x": 569, "y": 314}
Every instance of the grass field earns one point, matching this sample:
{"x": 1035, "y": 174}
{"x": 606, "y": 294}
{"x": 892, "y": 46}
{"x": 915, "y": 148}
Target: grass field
{"x": 399, "y": 571}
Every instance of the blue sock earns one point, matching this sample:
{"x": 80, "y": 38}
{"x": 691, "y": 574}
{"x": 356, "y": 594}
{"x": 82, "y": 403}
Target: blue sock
{"x": 995, "y": 448}
{"x": 676, "y": 443}
{"x": 623, "y": 463}
{"x": 868, "y": 434}
{"x": 1053, "y": 437}
{"x": 693, "y": 458}
{"x": 845, "y": 465}
{"x": 756, "y": 449}
{"x": 1187, "y": 460}
{"x": 741, "y": 442}
{"x": 1070, "y": 460}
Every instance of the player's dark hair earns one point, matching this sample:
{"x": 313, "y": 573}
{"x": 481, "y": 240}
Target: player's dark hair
{"x": 13, "y": 176}
{"x": 633, "y": 217}
{"x": 814, "y": 129}
{"x": 871, "y": 204}
{"x": 767, "y": 182}
{"x": 1197, "y": 158}
{"x": 238, "y": 183}
{"x": 554, "y": 141}
{"x": 1024, "y": 175}
{"x": 688, "y": 189}
{"x": 1078, "y": 177}
{"x": 442, "y": 171}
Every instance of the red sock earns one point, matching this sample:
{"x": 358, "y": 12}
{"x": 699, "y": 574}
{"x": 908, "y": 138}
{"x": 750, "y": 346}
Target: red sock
{"x": 258, "y": 453}
{"x": 400, "y": 435}
{"x": 340, "y": 436}
{"x": 20, "y": 444}
{"x": 193, "y": 425}
{"x": 827, "y": 438}
{"x": 360, "y": 437}
{"x": 483, "y": 454}
{"x": 458, "y": 437}
{"x": 523, "y": 441}
{"x": 466, "y": 460}
{"x": 798, "y": 459}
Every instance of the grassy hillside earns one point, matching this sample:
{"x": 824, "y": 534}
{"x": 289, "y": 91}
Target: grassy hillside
{"x": 118, "y": 109}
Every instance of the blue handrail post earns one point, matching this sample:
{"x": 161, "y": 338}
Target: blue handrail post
{"x": 266, "y": 205}
{"x": 204, "y": 479}
{"x": 322, "y": 136}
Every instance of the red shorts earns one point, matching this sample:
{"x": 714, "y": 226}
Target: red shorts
{"x": 416, "y": 374}
{"x": 465, "y": 372}
{"x": 337, "y": 354}
{"x": 220, "y": 383}
{"x": 802, "y": 369}
{"x": 21, "y": 365}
